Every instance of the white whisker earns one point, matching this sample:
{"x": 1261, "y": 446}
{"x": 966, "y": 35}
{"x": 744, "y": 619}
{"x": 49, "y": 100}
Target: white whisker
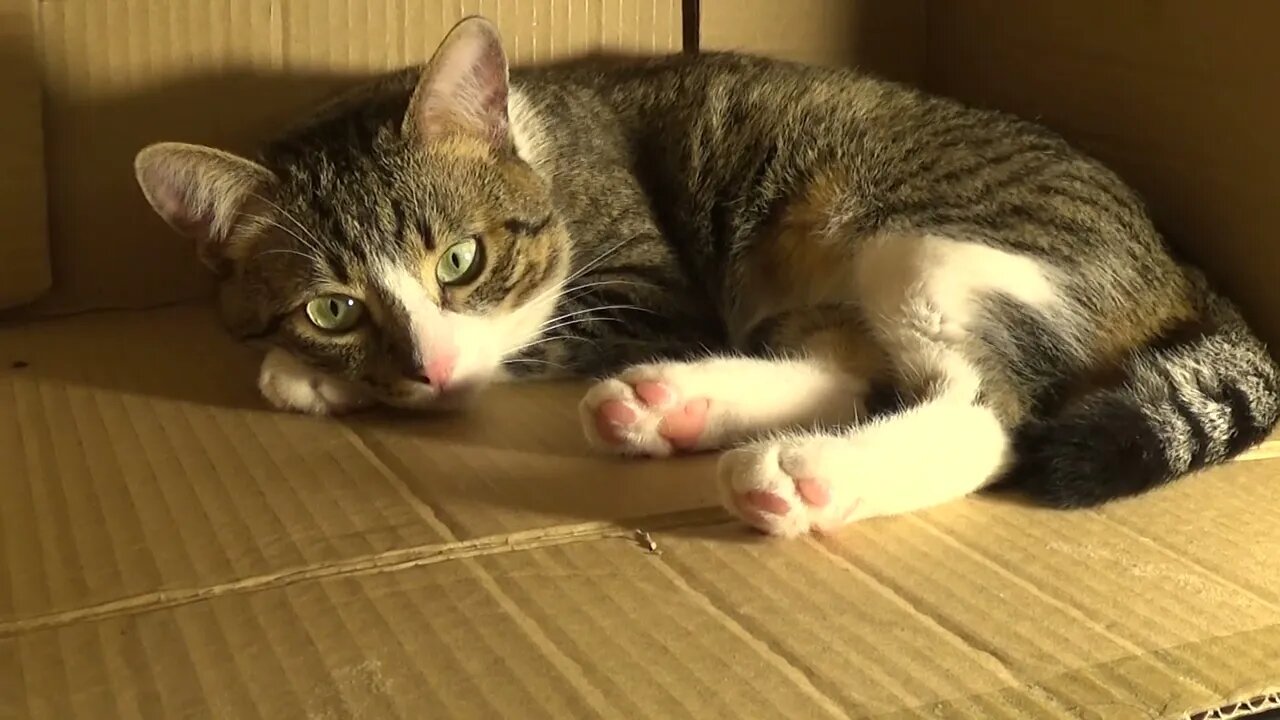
{"x": 563, "y": 286}
{"x": 310, "y": 242}
{"x": 601, "y": 258}
{"x": 578, "y": 290}
{"x": 579, "y": 321}
{"x": 285, "y": 251}
{"x": 288, "y": 216}
{"x": 296, "y": 236}
{"x": 568, "y": 323}
{"x": 598, "y": 308}
{"x": 538, "y": 361}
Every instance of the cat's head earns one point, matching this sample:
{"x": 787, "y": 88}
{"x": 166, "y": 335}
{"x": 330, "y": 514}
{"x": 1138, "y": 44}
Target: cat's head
{"x": 410, "y": 249}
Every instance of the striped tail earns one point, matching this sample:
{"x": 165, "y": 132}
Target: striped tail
{"x": 1179, "y": 408}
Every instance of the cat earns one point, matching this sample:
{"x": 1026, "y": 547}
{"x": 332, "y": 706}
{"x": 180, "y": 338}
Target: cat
{"x": 875, "y": 300}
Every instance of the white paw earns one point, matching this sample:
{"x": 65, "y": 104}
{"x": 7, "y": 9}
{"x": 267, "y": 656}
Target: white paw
{"x": 654, "y": 410}
{"x": 291, "y": 385}
{"x": 796, "y": 485}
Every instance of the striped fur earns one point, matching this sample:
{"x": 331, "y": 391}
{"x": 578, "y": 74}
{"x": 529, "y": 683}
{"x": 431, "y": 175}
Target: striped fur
{"x": 924, "y": 262}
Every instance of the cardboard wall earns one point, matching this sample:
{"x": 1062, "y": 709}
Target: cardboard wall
{"x": 119, "y": 75}
{"x": 24, "y": 249}
{"x": 1176, "y": 95}
{"x": 1181, "y": 97}
{"x": 883, "y": 36}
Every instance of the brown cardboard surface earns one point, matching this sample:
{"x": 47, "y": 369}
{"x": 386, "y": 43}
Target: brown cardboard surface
{"x": 875, "y": 35}
{"x": 172, "y": 549}
{"x": 24, "y": 247}
{"x": 1178, "y": 95}
{"x": 136, "y": 446}
{"x": 120, "y": 75}
{"x": 709, "y": 628}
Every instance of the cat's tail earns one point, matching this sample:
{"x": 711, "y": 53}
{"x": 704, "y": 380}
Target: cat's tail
{"x": 1187, "y": 405}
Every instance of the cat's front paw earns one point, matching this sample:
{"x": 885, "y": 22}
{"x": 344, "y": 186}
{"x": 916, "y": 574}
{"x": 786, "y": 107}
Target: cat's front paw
{"x": 794, "y": 486}
{"x": 647, "y": 410}
{"x": 291, "y": 385}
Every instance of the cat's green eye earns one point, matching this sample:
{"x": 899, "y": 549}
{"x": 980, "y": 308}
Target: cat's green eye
{"x": 460, "y": 262}
{"x": 335, "y": 313}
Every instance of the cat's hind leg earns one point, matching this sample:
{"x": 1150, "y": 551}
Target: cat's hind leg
{"x": 807, "y": 369}
{"x": 935, "y": 452}
{"x": 659, "y": 409}
{"x": 924, "y": 298}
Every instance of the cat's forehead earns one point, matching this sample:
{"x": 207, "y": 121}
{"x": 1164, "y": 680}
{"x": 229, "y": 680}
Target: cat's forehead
{"x": 336, "y": 171}
{"x": 421, "y": 181}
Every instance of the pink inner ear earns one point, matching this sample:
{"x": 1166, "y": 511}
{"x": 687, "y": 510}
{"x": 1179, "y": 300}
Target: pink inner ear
{"x": 178, "y": 211}
{"x": 172, "y": 200}
{"x": 199, "y": 192}
{"x": 467, "y": 90}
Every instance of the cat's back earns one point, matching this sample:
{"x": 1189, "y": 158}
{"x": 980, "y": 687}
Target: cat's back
{"x": 718, "y": 109}
{"x": 693, "y": 87}
{"x": 758, "y": 129}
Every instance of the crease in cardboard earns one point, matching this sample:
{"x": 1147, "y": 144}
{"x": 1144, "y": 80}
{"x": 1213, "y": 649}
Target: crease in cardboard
{"x": 385, "y": 562}
{"x": 790, "y": 670}
{"x": 1134, "y": 649}
{"x": 570, "y": 670}
{"x": 423, "y": 509}
{"x": 981, "y": 557}
{"x": 390, "y": 561}
{"x": 1027, "y": 585}
{"x": 994, "y": 662}
{"x": 1167, "y": 552}
{"x": 1120, "y": 679}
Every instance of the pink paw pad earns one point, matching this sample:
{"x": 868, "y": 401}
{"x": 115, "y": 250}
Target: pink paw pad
{"x": 683, "y": 426}
{"x": 761, "y": 501}
{"x": 612, "y": 416}
{"x": 760, "y": 509}
{"x": 814, "y": 493}
{"x": 653, "y": 394}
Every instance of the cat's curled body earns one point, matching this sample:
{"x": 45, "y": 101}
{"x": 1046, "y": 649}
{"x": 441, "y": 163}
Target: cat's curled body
{"x": 881, "y": 300}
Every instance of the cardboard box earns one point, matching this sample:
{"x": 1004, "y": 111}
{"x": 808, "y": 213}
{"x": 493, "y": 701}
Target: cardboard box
{"x": 170, "y": 548}
{"x": 24, "y": 249}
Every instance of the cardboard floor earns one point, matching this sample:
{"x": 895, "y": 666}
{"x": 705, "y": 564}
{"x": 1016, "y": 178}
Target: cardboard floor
{"x": 170, "y": 548}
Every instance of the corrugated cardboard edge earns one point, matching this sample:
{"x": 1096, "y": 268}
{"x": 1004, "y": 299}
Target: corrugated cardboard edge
{"x": 1270, "y": 700}
{"x": 25, "y": 272}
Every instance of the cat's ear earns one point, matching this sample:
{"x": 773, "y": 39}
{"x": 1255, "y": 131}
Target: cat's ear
{"x": 200, "y": 192}
{"x": 464, "y": 88}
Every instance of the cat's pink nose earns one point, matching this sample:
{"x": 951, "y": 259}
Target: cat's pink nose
{"x": 439, "y": 371}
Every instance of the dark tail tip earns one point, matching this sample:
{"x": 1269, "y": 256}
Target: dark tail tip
{"x": 1100, "y": 450}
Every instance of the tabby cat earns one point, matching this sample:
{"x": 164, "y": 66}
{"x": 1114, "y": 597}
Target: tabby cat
{"x": 880, "y": 300}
